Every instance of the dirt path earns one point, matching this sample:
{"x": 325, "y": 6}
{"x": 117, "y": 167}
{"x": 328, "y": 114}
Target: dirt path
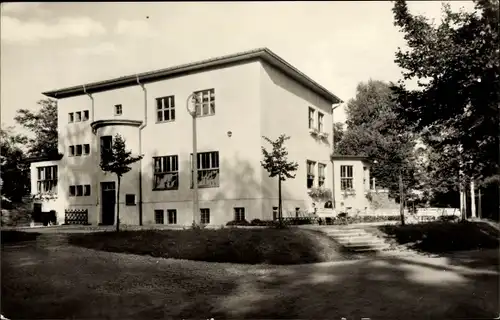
{"x": 48, "y": 279}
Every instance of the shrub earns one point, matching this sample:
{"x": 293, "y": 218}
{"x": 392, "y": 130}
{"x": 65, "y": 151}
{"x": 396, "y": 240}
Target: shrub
{"x": 448, "y": 218}
{"x": 238, "y": 223}
{"x": 263, "y": 223}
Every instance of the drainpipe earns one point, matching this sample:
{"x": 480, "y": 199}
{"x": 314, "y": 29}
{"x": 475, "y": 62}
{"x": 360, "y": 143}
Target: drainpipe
{"x": 94, "y": 142}
{"x": 143, "y": 125}
{"x": 331, "y": 159}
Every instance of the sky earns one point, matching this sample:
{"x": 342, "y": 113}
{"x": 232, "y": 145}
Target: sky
{"x": 46, "y": 46}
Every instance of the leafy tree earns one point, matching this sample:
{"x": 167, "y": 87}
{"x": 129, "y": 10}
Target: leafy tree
{"x": 43, "y": 126}
{"x": 457, "y": 65}
{"x": 277, "y": 164}
{"x": 375, "y": 131}
{"x": 338, "y": 132}
{"x": 117, "y": 160}
{"x": 15, "y": 170}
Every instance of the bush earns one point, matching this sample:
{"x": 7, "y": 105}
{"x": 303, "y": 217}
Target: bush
{"x": 448, "y": 218}
{"x": 238, "y": 223}
{"x": 263, "y": 223}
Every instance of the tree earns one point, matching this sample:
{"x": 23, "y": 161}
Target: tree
{"x": 277, "y": 164}
{"x": 15, "y": 170}
{"x": 375, "y": 131}
{"x": 338, "y": 133}
{"x": 457, "y": 66}
{"x": 43, "y": 125}
{"x": 117, "y": 160}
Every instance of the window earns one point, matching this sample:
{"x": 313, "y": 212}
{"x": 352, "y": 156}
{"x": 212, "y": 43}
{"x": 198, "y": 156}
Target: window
{"x": 47, "y": 179}
{"x": 310, "y": 174}
{"x": 205, "y": 215}
{"x": 79, "y": 191}
{"x": 118, "y": 110}
{"x": 165, "y": 109}
{"x": 166, "y": 173}
{"x": 320, "y": 122}
{"x": 86, "y": 190}
{"x": 321, "y": 174}
{"x": 78, "y": 150}
{"x": 71, "y": 117}
{"x": 346, "y": 178}
{"x": 172, "y": 216}
{"x": 130, "y": 199}
{"x": 71, "y": 150}
{"x": 86, "y": 149}
{"x": 159, "y": 217}
{"x": 239, "y": 214}
{"x": 275, "y": 213}
{"x": 106, "y": 144}
{"x": 208, "y": 169}
{"x": 311, "y": 118}
{"x": 205, "y": 102}
{"x": 85, "y": 115}
{"x": 78, "y": 116}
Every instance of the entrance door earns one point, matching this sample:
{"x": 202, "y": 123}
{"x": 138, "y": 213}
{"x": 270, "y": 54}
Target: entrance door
{"x": 108, "y": 201}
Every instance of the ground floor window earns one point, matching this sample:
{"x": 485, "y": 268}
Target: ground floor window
{"x": 239, "y": 214}
{"x": 159, "y": 217}
{"x": 172, "y": 216}
{"x": 205, "y": 215}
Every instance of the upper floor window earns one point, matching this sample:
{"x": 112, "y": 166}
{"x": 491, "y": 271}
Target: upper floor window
{"x": 47, "y": 179}
{"x": 310, "y": 173}
{"x": 346, "y": 178}
{"x": 118, "y": 110}
{"x": 106, "y": 145}
{"x": 165, "y": 109}
{"x": 79, "y": 149}
{"x": 78, "y": 116}
{"x": 208, "y": 169}
{"x": 311, "y": 118}
{"x": 166, "y": 173}
{"x": 320, "y": 122}
{"x": 321, "y": 174}
{"x": 205, "y": 102}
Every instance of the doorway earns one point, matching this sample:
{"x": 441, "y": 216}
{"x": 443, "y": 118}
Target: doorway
{"x": 108, "y": 201}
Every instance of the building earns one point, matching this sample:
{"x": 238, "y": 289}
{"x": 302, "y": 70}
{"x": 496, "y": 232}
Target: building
{"x": 242, "y": 97}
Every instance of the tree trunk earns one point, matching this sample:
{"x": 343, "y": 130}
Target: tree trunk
{"x": 401, "y": 199}
{"x": 118, "y": 206}
{"x": 280, "y": 212}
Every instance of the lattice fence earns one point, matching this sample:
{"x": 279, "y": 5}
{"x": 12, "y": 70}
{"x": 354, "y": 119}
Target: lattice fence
{"x": 76, "y": 216}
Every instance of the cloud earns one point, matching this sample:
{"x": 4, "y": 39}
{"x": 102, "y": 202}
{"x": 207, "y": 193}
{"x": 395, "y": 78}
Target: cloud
{"x": 101, "y": 49}
{"x": 29, "y": 32}
{"x": 18, "y": 7}
{"x": 137, "y": 28}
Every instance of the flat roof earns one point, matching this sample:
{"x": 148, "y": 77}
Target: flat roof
{"x": 262, "y": 54}
{"x": 349, "y": 157}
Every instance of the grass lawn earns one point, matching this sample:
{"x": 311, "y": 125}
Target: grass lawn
{"x": 235, "y": 245}
{"x": 439, "y": 237}
{"x": 49, "y": 279}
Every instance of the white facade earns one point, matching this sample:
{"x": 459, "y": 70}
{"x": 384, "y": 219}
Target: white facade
{"x": 251, "y": 98}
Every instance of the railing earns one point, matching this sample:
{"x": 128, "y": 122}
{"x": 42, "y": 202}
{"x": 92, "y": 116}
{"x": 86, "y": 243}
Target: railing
{"x": 76, "y": 216}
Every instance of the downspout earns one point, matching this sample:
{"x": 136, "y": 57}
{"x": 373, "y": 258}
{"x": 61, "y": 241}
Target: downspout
{"x": 143, "y": 125}
{"x": 331, "y": 158}
{"x": 94, "y": 143}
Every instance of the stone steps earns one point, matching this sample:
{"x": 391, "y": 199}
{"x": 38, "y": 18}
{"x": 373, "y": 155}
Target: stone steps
{"x": 355, "y": 239}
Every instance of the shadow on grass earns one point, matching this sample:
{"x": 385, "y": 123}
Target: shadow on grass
{"x": 441, "y": 237}
{"x": 141, "y": 287}
{"x": 234, "y": 245}
{"x": 12, "y": 236}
